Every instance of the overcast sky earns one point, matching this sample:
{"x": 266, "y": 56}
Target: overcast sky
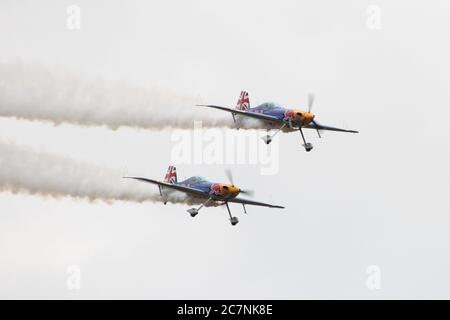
{"x": 376, "y": 198}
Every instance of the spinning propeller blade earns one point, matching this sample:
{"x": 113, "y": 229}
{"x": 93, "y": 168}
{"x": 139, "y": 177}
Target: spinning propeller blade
{"x": 248, "y": 192}
{"x": 229, "y": 175}
{"x": 310, "y": 105}
{"x": 310, "y": 101}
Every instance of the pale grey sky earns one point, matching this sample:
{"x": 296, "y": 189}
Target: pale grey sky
{"x": 376, "y": 198}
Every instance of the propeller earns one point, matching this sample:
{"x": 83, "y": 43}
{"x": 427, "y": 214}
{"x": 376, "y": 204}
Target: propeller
{"x": 310, "y": 101}
{"x": 250, "y": 193}
{"x": 229, "y": 175}
{"x": 310, "y": 105}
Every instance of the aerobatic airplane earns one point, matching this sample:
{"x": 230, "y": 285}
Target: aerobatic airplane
{"x": 198, "y": 188}
{"x": 275, "y": 116}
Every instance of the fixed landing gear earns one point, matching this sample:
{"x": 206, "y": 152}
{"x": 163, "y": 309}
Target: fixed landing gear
{"x": 162, "y": 195}
{"x": 234, "y": 220}
{"x": 307, "y": 145}
{"x": 194, "y": 211}
{"x": 268, "y": 139}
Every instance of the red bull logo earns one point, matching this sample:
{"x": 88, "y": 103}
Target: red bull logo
{"x": 289, "y": 115}
{"x": 216, "y": 189}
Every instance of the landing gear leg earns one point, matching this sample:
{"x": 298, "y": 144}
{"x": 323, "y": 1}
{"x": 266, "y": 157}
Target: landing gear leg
{"x": 234, "y": 120}
{"x": 163, "y": 196}
{"x": 194, "y": 211}
{"x": 267, "y": 139}
{"x": 233, "y": 220}
{"x": 308, "y": 146}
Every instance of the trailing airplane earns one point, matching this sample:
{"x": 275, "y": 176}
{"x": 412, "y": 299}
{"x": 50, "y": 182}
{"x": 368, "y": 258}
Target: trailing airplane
{"x": 197, "y": 188}
{"x": 275, "y": 116}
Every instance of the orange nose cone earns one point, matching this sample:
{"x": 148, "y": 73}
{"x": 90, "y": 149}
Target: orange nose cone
{"x": 235, "y": 190}
{"x": 309, "y": 117}
{"x": 230, "y": 190}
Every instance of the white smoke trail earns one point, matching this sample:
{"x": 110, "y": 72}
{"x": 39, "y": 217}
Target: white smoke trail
{"x": 24, "y": 170}
{"x": 36, "y": 92}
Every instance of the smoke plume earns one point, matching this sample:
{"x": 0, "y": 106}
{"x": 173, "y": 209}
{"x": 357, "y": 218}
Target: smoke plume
{"x": 24, "y": 170}
{"x": 35, "y": 92}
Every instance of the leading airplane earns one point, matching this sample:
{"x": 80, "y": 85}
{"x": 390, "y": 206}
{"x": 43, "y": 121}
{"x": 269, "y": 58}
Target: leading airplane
{"x": 275, "y": 116}
{"x": 204, "y": 192}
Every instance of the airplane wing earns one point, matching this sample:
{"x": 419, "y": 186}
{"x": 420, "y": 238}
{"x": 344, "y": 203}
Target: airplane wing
{"x": 254, "y": 203}
{"x": 172, "y": 186}
{"x": 255, "y": 115}
{"x": 322, "y": 127}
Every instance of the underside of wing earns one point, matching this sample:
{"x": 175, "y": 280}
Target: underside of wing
{"x": 254, "y": 203}
{"x": 319, "y": 126}
{"x": 250, "y": 114}
{"x": 193, "y": 191}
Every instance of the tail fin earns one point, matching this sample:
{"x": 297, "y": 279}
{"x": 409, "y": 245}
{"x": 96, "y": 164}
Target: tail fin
{"x": 243, "y": 102}
{"x": 171, "y": 175}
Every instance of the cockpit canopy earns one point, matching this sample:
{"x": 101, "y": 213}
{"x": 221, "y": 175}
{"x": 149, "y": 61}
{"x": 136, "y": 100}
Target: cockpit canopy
{"x": 196, "y": 179}
{"x": 269, "y": 105}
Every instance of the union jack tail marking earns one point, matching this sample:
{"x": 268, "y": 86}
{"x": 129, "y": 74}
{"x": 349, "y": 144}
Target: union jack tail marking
{"x": 171, "y": 175}
{"x": 243, "y": 102}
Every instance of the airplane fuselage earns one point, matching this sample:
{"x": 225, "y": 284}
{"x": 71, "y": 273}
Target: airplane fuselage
{"x": 270, "y": 115}
{"x": 294, "y": 118}
{"x": 217, "y": 191}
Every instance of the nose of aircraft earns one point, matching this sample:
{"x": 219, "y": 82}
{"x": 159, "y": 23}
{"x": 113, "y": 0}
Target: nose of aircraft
{"x": 231, "y": 190}
{"x": 304, "y": 116}
{"x": 308, "y": 117}
{"x": 234, "y": 190}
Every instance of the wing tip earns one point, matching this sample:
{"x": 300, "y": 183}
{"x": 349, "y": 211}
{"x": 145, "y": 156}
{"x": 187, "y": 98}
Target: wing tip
{"x": 276, "y": 206}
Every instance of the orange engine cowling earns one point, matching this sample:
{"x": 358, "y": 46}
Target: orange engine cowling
{"x": 227, "y": 190}
{"x": 299, "y": 116}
